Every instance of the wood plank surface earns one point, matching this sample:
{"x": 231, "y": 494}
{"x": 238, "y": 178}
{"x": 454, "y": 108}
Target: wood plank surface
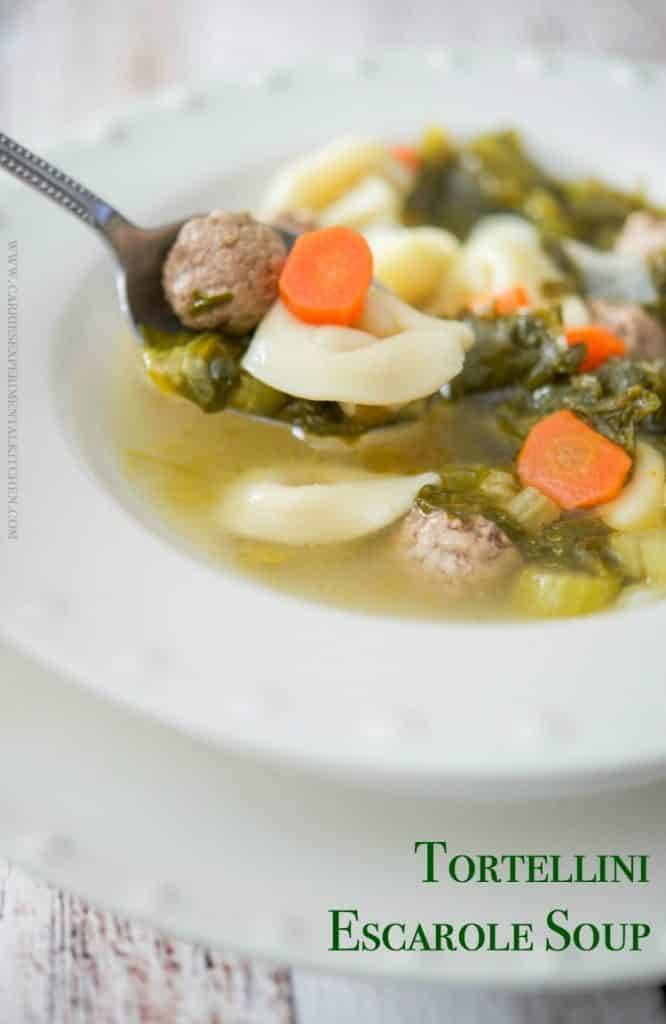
{"x": 64, "y": 962}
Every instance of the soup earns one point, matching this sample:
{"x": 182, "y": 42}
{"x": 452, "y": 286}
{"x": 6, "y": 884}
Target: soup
{"x": 476, "y": 432}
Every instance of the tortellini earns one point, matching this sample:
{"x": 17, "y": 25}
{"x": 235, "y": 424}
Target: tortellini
{"x": 412, "y": 261}
{"x": 641, "y": 503}
{"x": 501, "y": 252}
{"x": 336, "y": 504}
{"x": 373, "y": 200}
{"x": 409, "y": 356}
{"x": 327, "y": 177}
{"x": 360, "y": 184}
{"x": 429, "y": 268}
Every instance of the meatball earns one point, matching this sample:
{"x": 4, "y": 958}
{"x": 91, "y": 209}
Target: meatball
{"x": 456, "y": 552}
{"x": 222, "y": 272}
{"x": 644, "y": 335}
{"x": 643, "y": 233}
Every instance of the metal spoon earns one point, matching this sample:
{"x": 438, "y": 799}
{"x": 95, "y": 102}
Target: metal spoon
{"x": 139, "y": 252}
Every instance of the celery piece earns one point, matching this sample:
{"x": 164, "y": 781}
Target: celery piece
{"x": 254, "y": 397}
{"x": 499, "y": 485}
{"x": 532, "y": 509}
{"x": 551, "y": 594}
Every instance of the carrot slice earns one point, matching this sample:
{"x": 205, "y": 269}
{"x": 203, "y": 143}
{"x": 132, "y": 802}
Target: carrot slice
{"x": 407, "y": 155}
{"x": 601, "y": 344}
{"x": 327, "y": 276}
{"x": 509, "y": 301}
{"x": 571, "y": 463}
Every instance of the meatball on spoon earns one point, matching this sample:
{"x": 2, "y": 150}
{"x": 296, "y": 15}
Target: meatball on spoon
{"x": 216, "y": 271}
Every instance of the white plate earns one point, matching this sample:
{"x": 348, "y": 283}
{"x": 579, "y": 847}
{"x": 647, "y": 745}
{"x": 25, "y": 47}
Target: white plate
{"x": 217, "y": 848}
{"x": 95, "y": 589}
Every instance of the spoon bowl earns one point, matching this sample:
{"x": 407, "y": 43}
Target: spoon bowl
{"x": 139, "y": 252}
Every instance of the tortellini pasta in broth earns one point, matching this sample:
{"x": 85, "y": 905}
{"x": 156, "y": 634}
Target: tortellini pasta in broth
{"x": 502, "y": 251}
{"x": 410, "y": 356}
{"x": 329, "y": 175}
{"x": 333, "y": 505}
{"x": 412, "y": 262}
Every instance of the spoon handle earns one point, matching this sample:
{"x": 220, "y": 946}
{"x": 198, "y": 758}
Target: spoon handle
{"x": 58, "y": 186}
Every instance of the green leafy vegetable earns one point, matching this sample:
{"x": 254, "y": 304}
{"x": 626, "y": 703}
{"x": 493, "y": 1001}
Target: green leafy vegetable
{"x": 254, "y": 397}
{"x": 489, "y": 174}
{"x": 597, "y": 211}
{"x": 329, "y": 418}
{"x": 581, "y": 543}
{"x": 494, "y": 173}
{"x": 527, "y": 354}
{"x": 203, "y": 303}
{"x": 520, "y": 349}
{"x": 621, "y": 398}
{"x": 321, "y": 418}
{"x": 203, "y": 368}
{"x": 544, "y": 593}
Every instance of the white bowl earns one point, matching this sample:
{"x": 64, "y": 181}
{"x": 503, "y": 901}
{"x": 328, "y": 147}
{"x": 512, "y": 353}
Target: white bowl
{"x": 95, "y": 587}
{"x": 215, "y": 847}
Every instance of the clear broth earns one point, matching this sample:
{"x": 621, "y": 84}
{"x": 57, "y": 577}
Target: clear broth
{"x": 180, "y": 460}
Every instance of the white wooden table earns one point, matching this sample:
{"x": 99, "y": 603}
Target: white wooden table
{"x": 62, "y": 962}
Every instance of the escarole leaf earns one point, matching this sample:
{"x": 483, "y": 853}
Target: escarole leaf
{"x": 527, "y": 354}
{"x": 203, "y": 368}
{"x": 521, "y": 349}
{"x": 494, "y": 173}
{"x": 487, "y": 175}
{"x": 621, "y": 398}
{"x": 323, "y": 418}
{"x": 206, "y": 369}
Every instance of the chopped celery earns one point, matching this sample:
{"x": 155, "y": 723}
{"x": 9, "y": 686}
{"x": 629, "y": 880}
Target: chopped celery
{"x": 458, "y": 478}
{"x": 499, "y": 485}
{"x": 532, "y": 509}
{"x": 547, "y": 593}
{"x": 256, "y": 398}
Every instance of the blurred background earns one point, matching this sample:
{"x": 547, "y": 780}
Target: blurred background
{"x": 63, "y": 60}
